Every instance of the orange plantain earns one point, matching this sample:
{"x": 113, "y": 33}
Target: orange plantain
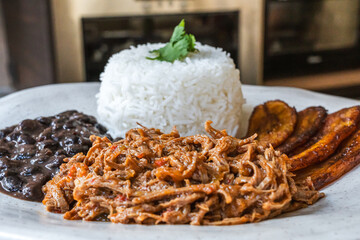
{"x": 273, "y": 121}
{"x": 309, "y": 121}
{"x": 346, "y": 158}
{"x": 337, "y": 127}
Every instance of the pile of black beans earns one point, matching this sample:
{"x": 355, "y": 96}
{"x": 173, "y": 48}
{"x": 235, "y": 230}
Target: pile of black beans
{"x": 32, "y": 151}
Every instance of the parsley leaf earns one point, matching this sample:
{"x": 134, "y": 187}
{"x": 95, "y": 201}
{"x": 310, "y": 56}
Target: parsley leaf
{"x": 180, "y": 45}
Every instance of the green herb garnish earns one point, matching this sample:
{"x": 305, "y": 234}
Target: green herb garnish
{"x": 180, "y": 45}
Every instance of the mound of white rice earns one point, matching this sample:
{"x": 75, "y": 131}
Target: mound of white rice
{"x": 205, "y": 86}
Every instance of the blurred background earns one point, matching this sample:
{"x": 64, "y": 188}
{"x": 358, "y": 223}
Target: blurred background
{"x": 311, "y": 44}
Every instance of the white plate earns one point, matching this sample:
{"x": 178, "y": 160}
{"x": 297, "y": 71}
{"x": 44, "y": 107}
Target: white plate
{"x": 337, "y": 216}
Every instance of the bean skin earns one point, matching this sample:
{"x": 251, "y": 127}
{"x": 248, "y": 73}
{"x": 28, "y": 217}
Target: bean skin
{"x": 11, "y": 183}
{"x": 32, "y": 151}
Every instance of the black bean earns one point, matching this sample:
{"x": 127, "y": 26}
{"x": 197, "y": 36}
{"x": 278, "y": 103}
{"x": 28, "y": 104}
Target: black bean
{"x": 44, "y": 120}
{"x": 2, "y": 173}
{"x": 8, "y": 130}
{"x": 93, "y": 120}
{"x": 75, "y": 148}
{"x": 101, "y": 128}
{"x": 56, "y": 136}
{"x": 3, "y": 151}
{"x": 29, "y": 170}
{"x": 25, "y": 139}
{"x": 60, "y": 152}
{"x": 45, "y": 135}
{"x": 69, "y": 125}
{"x": 50, "y": 144}
{"x": 32, "y": 191}
{"x": 116, "y": 139}
{"x": 11, "y": 183}
{"x": 54, "y": 163}
{"x": 68, "y": 113}
{"x": 39, "y": 177}
{"x": 69, "y": 140}
{"x": 38, "y": 160}
{"x": 3, "y": 162}
{"x": 27, "y": 150}
{"x": 46, "y": 152}
{"x": 12, "y": 136}
{"x": 40, "y": 157}
{"x": 21, "y": 156}
{"x": 32, "y": 151}
{"x": 82, "y": 118}
{"x": 56, "y": 126}
{"x": 28, "y": 125}
{"x": 85, "y": 141}
{"x": 84, "y": 133}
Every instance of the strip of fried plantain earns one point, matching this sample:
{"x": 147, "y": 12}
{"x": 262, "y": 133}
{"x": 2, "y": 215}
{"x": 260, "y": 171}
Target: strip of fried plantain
{"x": 273, "y": 121}
{"x": 346, "y": 158}
{"x": 338, "y": 126}
{"x": 309, "y": 121}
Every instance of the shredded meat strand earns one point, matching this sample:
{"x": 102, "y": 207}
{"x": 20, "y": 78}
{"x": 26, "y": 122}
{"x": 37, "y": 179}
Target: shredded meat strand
{"x": 152, "y": 178}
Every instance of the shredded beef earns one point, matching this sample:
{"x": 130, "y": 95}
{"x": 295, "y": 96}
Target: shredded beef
{"x": 152, "y": 178}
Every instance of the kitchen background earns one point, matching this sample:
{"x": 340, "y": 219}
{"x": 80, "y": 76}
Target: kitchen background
{"x": 308, "y": 44}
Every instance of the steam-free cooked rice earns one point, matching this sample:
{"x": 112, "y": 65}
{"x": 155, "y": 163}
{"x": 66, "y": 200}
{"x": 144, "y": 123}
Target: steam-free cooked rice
{"x": 206, "y": 85}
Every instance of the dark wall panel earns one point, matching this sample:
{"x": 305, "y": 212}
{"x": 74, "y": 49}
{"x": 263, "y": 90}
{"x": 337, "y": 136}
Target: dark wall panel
{"x": 29, "y": 38}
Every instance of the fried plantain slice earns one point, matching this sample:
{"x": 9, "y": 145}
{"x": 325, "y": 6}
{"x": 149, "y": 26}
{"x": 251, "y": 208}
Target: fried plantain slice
{"x": 338, "y": 126}
{"x": 309, "y": 121}
{"x": 346, "y": 158}
{"x": 273, "y": 121}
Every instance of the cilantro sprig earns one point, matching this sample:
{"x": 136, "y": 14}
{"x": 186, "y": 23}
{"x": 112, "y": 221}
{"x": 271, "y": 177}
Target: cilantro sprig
{"x": 179, "y": 47}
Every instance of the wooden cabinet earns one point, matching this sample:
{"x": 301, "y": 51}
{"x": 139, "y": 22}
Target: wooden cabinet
{"x": 28, "y": 31}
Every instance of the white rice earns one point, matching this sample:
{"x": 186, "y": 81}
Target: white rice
{"x": 205, "y": 86}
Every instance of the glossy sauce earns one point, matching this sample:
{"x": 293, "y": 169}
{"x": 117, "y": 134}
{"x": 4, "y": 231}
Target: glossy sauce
{"x": 32, "y": 151}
